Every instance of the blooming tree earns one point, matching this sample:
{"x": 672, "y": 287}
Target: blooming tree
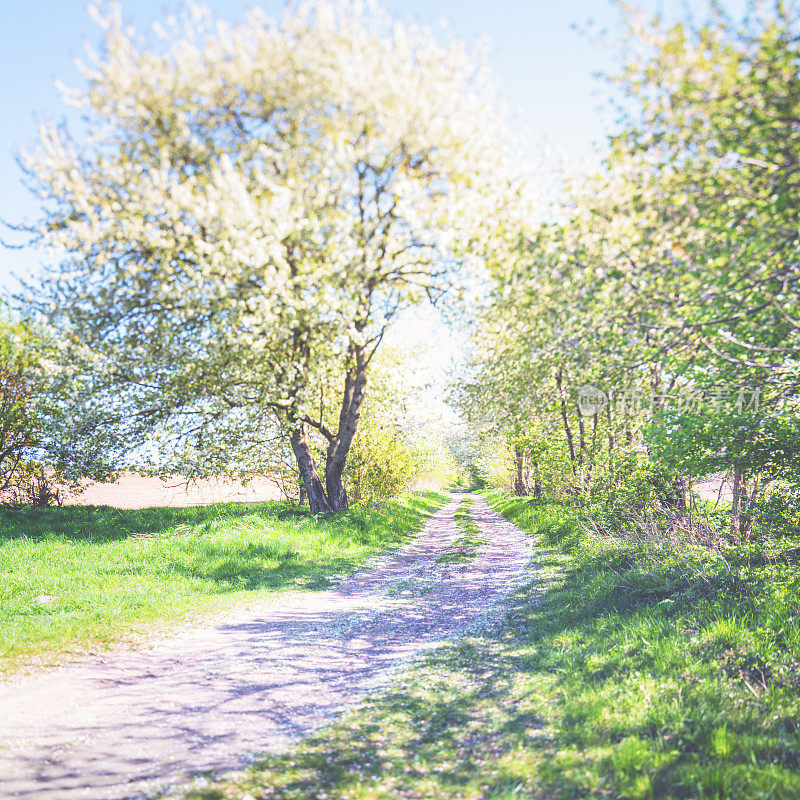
{"x": 254, "y": 205}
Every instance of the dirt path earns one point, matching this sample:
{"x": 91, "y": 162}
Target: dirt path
{"x": 256, "y": 681}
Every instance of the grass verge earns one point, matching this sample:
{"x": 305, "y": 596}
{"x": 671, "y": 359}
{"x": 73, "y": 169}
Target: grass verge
{"x": 464, "y": 548}
{"x": 73, "y": 578}
{"x": 624, "y": 671}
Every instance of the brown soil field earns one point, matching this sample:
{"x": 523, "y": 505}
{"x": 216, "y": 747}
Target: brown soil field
{"x": 715, "y": 487}
{"x": 140, "y": 491}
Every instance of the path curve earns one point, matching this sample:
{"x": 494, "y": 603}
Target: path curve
{"x": 256, "y": 681}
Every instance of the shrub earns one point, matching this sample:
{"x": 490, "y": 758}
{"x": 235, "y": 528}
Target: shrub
{"x": 637, "y": 487}
{"x": 382, "y": 464}
{"x": 23, "y": 410}
{"x": 777, "y": 513}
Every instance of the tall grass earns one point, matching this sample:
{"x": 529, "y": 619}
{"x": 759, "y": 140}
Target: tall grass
{"x": 77, "y": 577}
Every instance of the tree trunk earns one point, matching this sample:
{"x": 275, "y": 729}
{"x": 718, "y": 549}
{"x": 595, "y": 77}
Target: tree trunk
{"x": 522, "y": 479}
{"x": 536, "y": 487}
{"x": 747, "y": 502}
{"x": 317, "y": 500}
{"x": 355, "y": 386}
{"x": 611, "y": 440}
{"x": 736, "y": 506}
{"x": 565, "y": 420}
{"x": 581, "y": 441}
{"x": 590, "y": 460}
{"x": 679, "y": 489}
{"x": 583, "y": 477}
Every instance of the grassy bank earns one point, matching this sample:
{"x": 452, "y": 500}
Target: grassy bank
{"x": 78, "y": 577}
{"x": 465, "y": 547}
{"x": 626, "y": 671}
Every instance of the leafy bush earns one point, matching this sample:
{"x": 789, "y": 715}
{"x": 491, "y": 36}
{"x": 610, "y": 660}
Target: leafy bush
{"x": 32, "y": 486}
{"x": 777, "y": 514}
{"x": 704, "y": 444}
{"x": 382, "y": 464}
{"x": 24, "y": 411}
{"x": 636, "y": 487}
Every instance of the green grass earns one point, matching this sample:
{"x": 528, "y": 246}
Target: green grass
{"x": 465, "y": 547}
{"x": 112, "y": 572}
{"x": 625, "y": 671}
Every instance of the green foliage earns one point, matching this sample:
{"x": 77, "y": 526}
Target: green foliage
{"x": 702, "y": 444}
{"x": 667, "y": 289}
{"x": 382, "y": 465}
{"x": 110, "y": 571}
{"x": 28, "y": 408}
{"x": 637, "y": 484}
{"x": 436, "y": 465}
{"x": 474, "y": 478}
{"x": 777, "y": 513}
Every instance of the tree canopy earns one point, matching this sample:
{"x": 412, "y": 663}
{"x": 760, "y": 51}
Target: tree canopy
{"x": 255, "y": 204}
